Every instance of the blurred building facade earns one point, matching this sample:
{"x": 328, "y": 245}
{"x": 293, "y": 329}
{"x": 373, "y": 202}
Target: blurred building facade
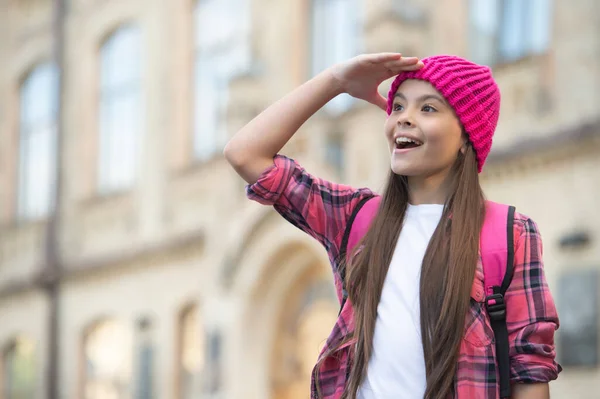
{"x": 172, "y": 284}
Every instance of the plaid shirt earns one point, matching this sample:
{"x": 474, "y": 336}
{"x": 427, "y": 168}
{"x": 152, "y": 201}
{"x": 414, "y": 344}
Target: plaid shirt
{"x": 322, "y": 209}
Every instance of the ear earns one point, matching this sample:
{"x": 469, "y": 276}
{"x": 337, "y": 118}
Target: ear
{"x": 464, "y": 140}
{"x": 463, "y": 147}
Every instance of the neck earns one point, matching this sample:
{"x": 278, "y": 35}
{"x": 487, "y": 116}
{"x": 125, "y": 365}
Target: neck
{"x": 428, "y": 190}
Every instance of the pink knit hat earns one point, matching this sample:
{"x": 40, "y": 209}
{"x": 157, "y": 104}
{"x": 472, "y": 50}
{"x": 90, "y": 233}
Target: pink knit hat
{"x": 470, "y": 90}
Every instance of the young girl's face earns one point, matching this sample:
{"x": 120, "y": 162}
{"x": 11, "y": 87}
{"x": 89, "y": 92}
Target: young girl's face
{"x": 423, "y": 133}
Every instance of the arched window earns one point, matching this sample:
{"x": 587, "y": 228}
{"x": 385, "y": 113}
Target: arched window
{"x": 191, "y": 354}
{"x": 18, "y": 366}
{"x": 335, "y": 34}
{"x": 222, "y": 51}
{"x": 37, "y": 142}
{"x": 146, "y": 353}
{"x": 108, "y": 361}
{"x": 506, "y": 30}
{"x": 120, "y": 110}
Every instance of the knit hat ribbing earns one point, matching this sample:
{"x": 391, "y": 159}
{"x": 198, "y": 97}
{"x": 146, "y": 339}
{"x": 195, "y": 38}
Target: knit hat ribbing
{"x": 470, "y": 90}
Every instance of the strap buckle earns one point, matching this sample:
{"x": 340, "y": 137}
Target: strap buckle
{"x": 496, "y": 307}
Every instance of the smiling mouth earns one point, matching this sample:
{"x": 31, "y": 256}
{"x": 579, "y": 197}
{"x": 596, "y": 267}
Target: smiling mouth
{"x": 403, "y": 143}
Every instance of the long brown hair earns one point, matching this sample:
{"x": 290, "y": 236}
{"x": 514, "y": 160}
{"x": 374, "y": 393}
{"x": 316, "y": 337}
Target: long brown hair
{"x": 446, "y": 276}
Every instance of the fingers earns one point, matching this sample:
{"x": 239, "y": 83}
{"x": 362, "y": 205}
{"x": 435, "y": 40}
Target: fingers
{"x": 390, "y": 58}
{"x": 383, "y": 57}
{"x": 404, "y": 62}
{"x": 403, "y": 65}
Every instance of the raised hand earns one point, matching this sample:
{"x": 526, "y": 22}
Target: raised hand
{"x": 361, "y": 76}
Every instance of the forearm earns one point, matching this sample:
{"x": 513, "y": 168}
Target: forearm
{"x": 531, "y": 391}
{"x": 250, "y": 151}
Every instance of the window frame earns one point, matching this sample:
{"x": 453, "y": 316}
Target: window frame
{"x": 318, "y": 46}
{"x": 31, "y": 131}
{"x": 5, "y": 379}
{"x": 574, "y": 282}
{"x": 109, "y": 95}
{"x": 213, "y": 71}
{"x": 501, "y": 28}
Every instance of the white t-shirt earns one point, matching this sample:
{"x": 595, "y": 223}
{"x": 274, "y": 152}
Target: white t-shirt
{"x": 397, "y": 365}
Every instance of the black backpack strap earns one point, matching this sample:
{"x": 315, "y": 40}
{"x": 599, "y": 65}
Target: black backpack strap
{"x": 344, "y": 248}
{"x": 496, "y": 308}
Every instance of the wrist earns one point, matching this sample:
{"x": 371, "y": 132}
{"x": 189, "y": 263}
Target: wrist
{"x": 333, "y": 84}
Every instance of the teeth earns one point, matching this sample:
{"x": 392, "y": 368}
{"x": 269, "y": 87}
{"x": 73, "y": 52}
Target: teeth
{"x": 400, "y": 140}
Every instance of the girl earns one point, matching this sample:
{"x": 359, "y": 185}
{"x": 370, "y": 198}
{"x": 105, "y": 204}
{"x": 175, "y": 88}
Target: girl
{"x": 411, "y": 329}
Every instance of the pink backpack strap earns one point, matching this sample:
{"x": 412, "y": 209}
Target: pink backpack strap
{"x": 357, "y": 227}
{"x": 497, "y": 256}
{"x": 497, "y": 246}
{"x": 362, "y": 221}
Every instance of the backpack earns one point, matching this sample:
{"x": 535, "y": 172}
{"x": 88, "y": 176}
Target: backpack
{"x": 497, "y": 256}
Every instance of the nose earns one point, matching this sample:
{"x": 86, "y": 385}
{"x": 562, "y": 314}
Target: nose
{"x": 405, "y": 120}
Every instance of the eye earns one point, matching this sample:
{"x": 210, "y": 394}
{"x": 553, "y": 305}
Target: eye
{"x": 428, "y": 108}
{"x": 398, "y": 107}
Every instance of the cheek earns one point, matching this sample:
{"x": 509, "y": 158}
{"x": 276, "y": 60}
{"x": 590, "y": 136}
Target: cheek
{"x": 444, "y": 138}
{"x": 388, "y": 127}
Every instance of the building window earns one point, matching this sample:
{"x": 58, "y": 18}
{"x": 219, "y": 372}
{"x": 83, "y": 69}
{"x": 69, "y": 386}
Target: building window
{"x": 334, "y": 152}
{"x": 213, "y": 373}
{"x": 191, "y": 353}
{"x": 120, "y": 110}
{"x": 578, "y": 306}
{"x": 335, "y": 34}
{"x": 145, "y": 354}
{"x": 108, "y": 361}
{"x": 506, "y": 30}
{"x": 222, "y": 52}
{"x": 37, "y": 142}
{"x": 19, "y": 377}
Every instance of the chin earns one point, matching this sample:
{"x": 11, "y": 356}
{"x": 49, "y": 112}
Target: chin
{"x": 403, "y": 169}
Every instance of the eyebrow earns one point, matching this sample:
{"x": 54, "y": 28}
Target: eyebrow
{"x": 423, "y": 98}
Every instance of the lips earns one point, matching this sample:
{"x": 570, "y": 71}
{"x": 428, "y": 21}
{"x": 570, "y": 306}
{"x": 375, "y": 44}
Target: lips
{"x": 404, "y": 150}
{"x": 405, "y": 142}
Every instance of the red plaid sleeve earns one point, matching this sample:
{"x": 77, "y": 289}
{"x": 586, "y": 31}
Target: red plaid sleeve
{"x": 316, "y": 206}
{"x": 531, "y": 314}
